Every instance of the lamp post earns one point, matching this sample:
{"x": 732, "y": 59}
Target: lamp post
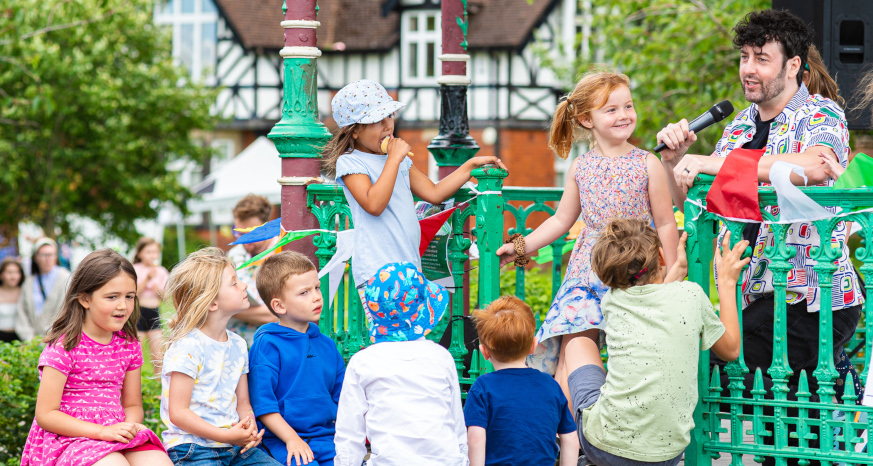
{"x": 299, "y": 136}
{"x": 453, "y": 146}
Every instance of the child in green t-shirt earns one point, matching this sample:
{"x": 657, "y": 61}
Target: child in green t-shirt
{"x": 656, "y": 325}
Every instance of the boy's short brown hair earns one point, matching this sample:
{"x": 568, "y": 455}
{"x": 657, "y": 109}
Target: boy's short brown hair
{"x": 277, "y": 269}
{"x": 506, "y": 328}
{"x": 253, "y": 206}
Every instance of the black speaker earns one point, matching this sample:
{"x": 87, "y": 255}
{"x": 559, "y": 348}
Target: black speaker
{"x": 844, "y": 35}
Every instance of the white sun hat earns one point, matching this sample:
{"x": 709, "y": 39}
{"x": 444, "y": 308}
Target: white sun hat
{"x": 363, "y": 102}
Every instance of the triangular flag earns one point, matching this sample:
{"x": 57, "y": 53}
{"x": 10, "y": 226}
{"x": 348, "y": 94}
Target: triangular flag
{"x": 431, "y": 225}
{"x": 794, "y": 205}
{"x": 858, "y": 174}
{"x": 263, "y": 232}
{"x": 289, "y": 237}
{"x": 734, "y": 193}
{"x": 336, "y": 267}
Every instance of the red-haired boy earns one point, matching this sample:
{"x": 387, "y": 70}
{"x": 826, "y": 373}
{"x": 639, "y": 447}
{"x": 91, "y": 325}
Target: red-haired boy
{"x": 513, "y": 413}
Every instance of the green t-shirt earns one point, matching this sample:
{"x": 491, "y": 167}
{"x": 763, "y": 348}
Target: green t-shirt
{"x": 654, "y": 334}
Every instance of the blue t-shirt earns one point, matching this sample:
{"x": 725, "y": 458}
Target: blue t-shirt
{"x": 520, "y": 410}
{"x": 393, "y": 236}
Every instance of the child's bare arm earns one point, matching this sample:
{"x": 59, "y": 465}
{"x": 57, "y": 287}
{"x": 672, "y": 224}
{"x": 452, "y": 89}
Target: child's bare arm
{"x": 554, "y": 227}
{"x": 662, "y": 209}
{"x": 476, "y": 445}
{"x": 50, "y": 417}
{"x": 426, "y": 190}
{"x": 569, "y": 449}
{"x": 131, "y": 396}
{"x": 729, "y": 264}
{"x": 181, "y": 388}
{"x": 679, "y": 271}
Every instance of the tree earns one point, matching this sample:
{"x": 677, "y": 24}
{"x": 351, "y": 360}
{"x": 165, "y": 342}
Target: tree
{"x": 678, "y": 54}
{"x": 92, "y": 110}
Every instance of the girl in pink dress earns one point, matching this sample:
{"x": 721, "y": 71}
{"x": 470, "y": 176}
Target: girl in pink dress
{"x": 89, "y": 406}
{"x": 613, "y": 179}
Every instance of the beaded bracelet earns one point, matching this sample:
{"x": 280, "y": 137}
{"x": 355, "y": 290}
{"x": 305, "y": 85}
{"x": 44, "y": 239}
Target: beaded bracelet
{"x": 521, "y": 259}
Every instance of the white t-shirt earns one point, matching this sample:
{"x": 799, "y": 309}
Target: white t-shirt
{"x": 216, "y": 368}
{"x": 405, "y": 397}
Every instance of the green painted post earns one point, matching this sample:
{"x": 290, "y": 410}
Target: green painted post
{"x": 865, "y": 255}
{"x": 299, "y": 136}
{"x": 489, "y": 230}
{"x": 458, "y": 247}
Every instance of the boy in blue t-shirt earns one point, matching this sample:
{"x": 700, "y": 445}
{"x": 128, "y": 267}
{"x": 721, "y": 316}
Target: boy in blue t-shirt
{"x": 295, "y": 372}
{"x": 513, "y": 414}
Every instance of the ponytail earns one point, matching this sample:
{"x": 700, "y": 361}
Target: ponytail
{"x": 563, "y": 132}
{"x": 864, "y": 93}
{"x": 818, "y": 79}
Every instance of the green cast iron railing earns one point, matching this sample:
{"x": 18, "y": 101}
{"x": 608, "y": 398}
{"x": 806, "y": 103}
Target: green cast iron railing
{"x": 780, "y": 428}
{"x": 772, "y": 424}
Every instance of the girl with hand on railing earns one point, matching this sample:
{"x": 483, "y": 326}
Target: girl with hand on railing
{"x": 612, "y": 180}
{"x": 641, "y": 412}
{"x": 379, "y": 179}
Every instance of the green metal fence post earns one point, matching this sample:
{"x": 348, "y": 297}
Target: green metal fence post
{"x": 489, "y": 230}
{"x": 698, "y": 248}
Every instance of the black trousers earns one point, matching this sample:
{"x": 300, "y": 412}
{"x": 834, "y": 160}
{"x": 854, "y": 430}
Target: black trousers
{"x": 802, "y": 342}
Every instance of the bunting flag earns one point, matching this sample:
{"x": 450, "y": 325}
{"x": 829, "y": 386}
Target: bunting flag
{"x": 794, "y": 205}
{"x": 431, "y": 225}
{"x": 734, "y": 193}
{"x": 858, "y": 174}
{"x": 286, "y": 238}
{"x": 336, "y": 267}
{"x": 263, "y": 232}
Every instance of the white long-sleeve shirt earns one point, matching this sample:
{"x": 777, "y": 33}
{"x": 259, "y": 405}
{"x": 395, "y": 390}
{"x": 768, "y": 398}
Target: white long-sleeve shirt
{"x": 405, "y": 398}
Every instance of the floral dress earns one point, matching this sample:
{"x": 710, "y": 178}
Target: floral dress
{"x": 95, "y": 373}
{"x": 609, "y": 187}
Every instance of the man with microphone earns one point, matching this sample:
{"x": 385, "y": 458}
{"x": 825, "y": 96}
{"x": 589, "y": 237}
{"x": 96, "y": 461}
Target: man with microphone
{"x": 793, "y": 126}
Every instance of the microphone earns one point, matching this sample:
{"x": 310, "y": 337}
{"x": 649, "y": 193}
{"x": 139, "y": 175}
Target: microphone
{"x": 718, "y": 112}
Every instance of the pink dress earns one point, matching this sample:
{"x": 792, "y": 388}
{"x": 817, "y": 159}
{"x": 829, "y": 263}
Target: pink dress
{"x": 95, "y": 373}
{"x": 608, "y": 188}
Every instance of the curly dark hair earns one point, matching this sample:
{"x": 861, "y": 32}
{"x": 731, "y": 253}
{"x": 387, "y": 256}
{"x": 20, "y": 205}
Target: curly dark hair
{"x": 790, "y": 32}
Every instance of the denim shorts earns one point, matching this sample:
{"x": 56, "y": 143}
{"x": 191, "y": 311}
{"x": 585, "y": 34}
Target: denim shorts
{"x": 192, "y": 454}
{"x": 585, "y": 383}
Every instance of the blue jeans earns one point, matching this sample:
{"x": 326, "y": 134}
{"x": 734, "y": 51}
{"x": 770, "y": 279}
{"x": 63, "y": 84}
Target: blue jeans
{"x": 191, "y": 454}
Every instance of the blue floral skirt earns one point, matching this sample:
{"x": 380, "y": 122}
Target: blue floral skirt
{"x": 576, "y": 308}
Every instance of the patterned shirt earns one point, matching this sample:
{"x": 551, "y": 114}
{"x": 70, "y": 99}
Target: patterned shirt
{"x": 216, "y": 367}
{"x": 808, "y": 120}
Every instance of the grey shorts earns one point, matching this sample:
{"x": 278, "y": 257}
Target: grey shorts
{"x": 585, "y": 383}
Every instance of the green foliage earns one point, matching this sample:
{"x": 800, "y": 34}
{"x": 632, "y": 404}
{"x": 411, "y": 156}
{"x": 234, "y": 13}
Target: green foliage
{"x": 537, "y": 287}
{"x": 678, "y": 54}
{"x": 19, "y": 384}
{"x": 92, "y": 110}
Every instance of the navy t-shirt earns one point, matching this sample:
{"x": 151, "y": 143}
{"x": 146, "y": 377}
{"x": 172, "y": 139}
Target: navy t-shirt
{"x": 520, "y": 410}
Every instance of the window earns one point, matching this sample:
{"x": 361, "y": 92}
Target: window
{"x": 195, "y": 33}
{"x": 420, "y": 33}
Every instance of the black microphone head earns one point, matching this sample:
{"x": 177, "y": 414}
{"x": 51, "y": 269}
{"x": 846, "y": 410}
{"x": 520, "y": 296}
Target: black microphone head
{"x": 721, "y": 110}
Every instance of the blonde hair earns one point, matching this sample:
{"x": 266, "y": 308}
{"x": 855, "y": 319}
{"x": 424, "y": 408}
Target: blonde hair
{"x": 277, "y": 269}
{"x": 342, "y": 142}
{"x": 193, "y": 286}
{"x": 864, "y": 93}
{"x": 506, "y": 328}
{"x": 590, "y": 93}
{"x": 626, "y": 254}
{"x": 93, "y": 273}
{"x": 818, "y": 79}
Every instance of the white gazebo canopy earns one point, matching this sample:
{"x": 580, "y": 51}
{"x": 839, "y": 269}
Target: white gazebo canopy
{"x": 255, "y": 170}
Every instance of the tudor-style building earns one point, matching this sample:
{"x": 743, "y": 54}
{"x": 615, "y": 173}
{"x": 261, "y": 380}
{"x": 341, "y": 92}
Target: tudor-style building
{"x": 235, "y": 44}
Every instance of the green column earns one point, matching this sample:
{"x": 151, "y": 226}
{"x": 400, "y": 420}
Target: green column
{"x": 489, "y": 230}
{"x": 299, "y": 136}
